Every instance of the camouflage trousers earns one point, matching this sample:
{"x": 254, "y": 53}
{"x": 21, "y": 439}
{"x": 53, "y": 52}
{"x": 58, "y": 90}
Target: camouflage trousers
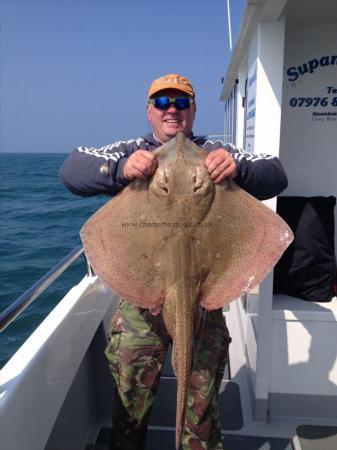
{"x": 137, "y": 349}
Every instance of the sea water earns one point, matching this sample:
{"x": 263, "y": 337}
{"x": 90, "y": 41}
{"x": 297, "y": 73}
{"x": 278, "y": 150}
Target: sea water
{"x": 39, "y": 225}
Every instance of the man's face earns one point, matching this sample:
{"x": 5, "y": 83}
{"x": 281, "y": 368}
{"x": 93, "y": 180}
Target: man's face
{"x": 166, "y": 124}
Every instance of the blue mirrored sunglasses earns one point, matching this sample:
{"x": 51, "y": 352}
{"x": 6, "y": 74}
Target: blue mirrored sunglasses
{"x": 164, "y": 103}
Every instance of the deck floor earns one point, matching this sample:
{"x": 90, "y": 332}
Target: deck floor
{"x": 240, "y": 431}
{"x": 236, "y": 436}
{"x": 164, "y": 440}
{"x": 308, "y": 437}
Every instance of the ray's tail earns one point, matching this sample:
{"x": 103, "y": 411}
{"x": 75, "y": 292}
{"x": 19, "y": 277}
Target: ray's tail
{"x": 179, "y": 310}
{"x": 182, "y": 363}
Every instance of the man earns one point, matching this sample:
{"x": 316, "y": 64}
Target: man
{"x": 138, "y": 341}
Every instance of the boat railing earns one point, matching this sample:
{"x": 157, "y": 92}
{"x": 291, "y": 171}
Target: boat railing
{"x": 23, "y": 301}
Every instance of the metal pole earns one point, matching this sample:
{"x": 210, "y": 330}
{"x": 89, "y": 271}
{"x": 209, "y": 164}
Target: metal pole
{"x": 20, "y": 304}
{"x": 229, "y": 26}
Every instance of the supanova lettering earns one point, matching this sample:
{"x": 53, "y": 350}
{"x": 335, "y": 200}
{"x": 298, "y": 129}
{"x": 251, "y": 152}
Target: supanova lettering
{"x": 310, "y": 66}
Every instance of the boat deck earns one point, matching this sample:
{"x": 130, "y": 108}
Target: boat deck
{"x": 164, "y": 440}
{"x": 161, "y": 434}
{"x": 235, "y": 432}
{"x": 75, "y": 390}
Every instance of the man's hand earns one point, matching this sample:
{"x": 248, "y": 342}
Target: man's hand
{"x": 220, "y": 165}
{"x": 141, "y": 164}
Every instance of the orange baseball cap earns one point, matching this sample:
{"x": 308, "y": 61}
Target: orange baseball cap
{"x": 171, "y": 81}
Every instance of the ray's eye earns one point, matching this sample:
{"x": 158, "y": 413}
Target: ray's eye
{"x": 164, "y": 184}
{"x": 196, "y": 183}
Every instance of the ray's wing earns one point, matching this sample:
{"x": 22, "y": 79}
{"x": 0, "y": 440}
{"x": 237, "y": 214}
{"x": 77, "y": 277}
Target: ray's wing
{"x": 126, "y": 245}
{"x": 244, "y": 241}
{"x": 123, "y": 245}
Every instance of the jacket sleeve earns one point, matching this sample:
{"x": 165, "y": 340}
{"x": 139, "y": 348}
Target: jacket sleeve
{"x": 259, "y": 174}
{"x": 89, "y": 171}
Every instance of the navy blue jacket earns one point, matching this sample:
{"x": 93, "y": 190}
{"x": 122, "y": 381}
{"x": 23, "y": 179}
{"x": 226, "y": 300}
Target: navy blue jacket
{"x": 90, "y": 171}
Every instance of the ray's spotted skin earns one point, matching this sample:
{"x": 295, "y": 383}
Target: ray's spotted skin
{"x": 178, "y": 241}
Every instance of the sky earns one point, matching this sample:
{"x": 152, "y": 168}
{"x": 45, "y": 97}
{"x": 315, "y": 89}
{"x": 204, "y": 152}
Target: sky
{"x": 77, "y": 72}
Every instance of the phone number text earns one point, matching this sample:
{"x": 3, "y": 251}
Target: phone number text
{"x": 312, "y": 101}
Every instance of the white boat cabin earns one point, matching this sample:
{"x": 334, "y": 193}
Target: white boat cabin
{"x": 280, "y": 97}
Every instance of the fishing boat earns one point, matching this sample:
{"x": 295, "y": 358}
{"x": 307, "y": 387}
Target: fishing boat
{"x": 280, "y": 386}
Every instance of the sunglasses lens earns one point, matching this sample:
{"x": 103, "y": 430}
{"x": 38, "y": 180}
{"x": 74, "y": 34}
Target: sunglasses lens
{"x": 162, "y": 103}
{"x": 182, "y": 103}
